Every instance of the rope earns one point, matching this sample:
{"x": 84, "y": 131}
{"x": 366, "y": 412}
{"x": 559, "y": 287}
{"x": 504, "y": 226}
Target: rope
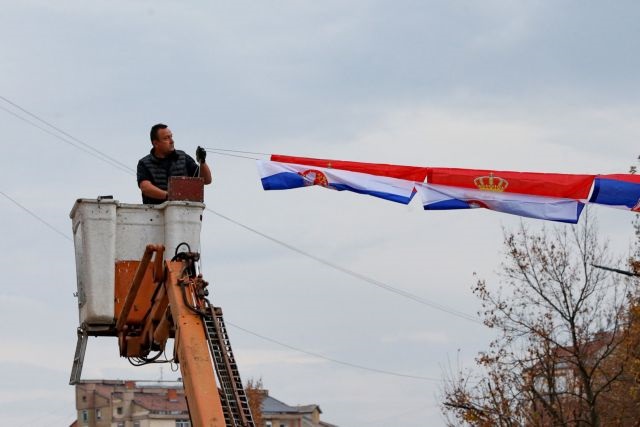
{"x": 236, "y": 151}
{"x": 232, "y": 155}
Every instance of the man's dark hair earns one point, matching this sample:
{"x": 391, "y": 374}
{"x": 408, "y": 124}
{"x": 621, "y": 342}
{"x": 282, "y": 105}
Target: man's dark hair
{"x": 154, "y": 131}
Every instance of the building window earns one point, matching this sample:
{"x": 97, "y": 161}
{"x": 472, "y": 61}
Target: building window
{"x": 183, "y": 423}
{"x": 121, "y": 424}
{"x": 119, "y": 410}
{"x": 268, "y": 424}
{"x": 561, "y": 384}
{"x": 98, "y": 414}
{"x": 136, "y": 424}
{"x": 84, "y": 416}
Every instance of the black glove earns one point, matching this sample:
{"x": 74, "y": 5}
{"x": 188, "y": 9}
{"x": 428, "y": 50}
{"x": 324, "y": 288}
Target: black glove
{"x": 201, "y": 154}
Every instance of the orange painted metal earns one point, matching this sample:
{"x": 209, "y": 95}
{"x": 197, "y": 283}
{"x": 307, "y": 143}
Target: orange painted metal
{"x": 141, "y": 272}
{"x": 136, "y": 287}
{"x": 158, "y": 265}
{"x": 132, "y": 346}
{"x": 125, "y": 272}
{"x": 149, "y": 313}
{"x": 158, "y": 328}
{"x": 192, "y": 349}
{"x": 163, "y": 331}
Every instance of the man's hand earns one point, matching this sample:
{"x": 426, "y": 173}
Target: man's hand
{"x": 201, "y": 154}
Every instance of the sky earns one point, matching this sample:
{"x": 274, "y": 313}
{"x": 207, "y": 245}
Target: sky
{"x": 529, "y": 86}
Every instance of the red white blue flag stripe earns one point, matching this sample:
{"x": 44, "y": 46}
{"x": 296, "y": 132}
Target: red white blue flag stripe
{"x": 560, "y": 185}
{"x": 283, "y": 176}
{"x": 549, "y": 196}
{"x": 409, "y": 173}
{"x": 555, "y": 197}
{"x": 444, "y": 197}
{"x": 620, "y": 191}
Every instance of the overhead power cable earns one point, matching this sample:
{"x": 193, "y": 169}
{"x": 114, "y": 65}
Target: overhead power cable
{"x": 96, "y": 153}
{"x": 15, "y": 202}
{"x": 52, "y": 413}
{"x": 320, "y": 356}
{"x": 114, "y": 162}
{"x": 352, "y": 273}
{"x": 380, "y": 371}
{"x": 66, "y": 138}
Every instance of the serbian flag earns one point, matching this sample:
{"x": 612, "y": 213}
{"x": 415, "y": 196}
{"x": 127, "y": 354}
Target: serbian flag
{"x": 618, "y": 191}
{"x": 284, "y": 176}
{"x": 555, "y": 197}
{"x": 408, "y": 173}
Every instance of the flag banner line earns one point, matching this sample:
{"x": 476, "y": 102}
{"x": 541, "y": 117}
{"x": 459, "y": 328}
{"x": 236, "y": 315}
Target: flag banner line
{"x": 409, "y": 173}
{"x": 547, "y": 196}
{"x": 565, "y": 186}
{"x": 620, "y": 191}
{"x": 443, "y": 197}
{"x": 284, "y": 176}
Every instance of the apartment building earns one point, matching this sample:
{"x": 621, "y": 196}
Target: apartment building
{"x": 106, "y": 403}
{"x": 278, "y": 414}
{"x": 115, "y": 403}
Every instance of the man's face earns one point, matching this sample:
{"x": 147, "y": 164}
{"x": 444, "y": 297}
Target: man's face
{"x": 164, "y": 143}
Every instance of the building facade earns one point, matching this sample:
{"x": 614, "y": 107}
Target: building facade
{"x": 114, "y": 403}
{"x": 108, "y": 403}
{"x": 278, "y": 414}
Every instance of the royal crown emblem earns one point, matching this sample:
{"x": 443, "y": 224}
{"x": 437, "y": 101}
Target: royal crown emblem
{"x": 314, "y": 177}
{"x": 491, "y": 183}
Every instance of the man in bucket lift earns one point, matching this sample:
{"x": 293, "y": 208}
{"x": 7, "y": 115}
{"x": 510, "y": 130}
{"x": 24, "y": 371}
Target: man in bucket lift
{"x": 163, "y": 162}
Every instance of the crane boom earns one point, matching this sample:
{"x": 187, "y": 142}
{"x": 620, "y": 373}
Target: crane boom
{"x": 179, "y": 308}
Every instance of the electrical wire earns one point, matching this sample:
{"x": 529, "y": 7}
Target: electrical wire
{"x": 352, "y": 273}
{"x": 103, "y": 156}
{"x": 53, "y": 412}
{"x": 66, "y": 141}
{"x": 320, "y": 356}
{"x": 15, "y": 202}
{"x": 140, "y": 361}
{"x": 121, "y": 166}
{"x": 337, "y": 267}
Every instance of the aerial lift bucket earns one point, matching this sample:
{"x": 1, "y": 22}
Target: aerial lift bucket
{"x": 108, "y": 234}
{"x": 109, "y": 238}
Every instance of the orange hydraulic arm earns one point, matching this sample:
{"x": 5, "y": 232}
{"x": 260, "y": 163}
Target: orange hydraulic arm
{"x": 159, "y": 300}
{"x": 193, "y": 352}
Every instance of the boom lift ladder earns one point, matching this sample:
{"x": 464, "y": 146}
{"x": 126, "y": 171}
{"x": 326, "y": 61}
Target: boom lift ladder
{"x": 144, "y": 302}
{"x": 235, "y": 403}
{"x": 167, "y": 299}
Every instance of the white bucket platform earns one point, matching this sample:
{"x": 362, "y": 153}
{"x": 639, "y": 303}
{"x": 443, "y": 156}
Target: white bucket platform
{"x": 106, "y": 231}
